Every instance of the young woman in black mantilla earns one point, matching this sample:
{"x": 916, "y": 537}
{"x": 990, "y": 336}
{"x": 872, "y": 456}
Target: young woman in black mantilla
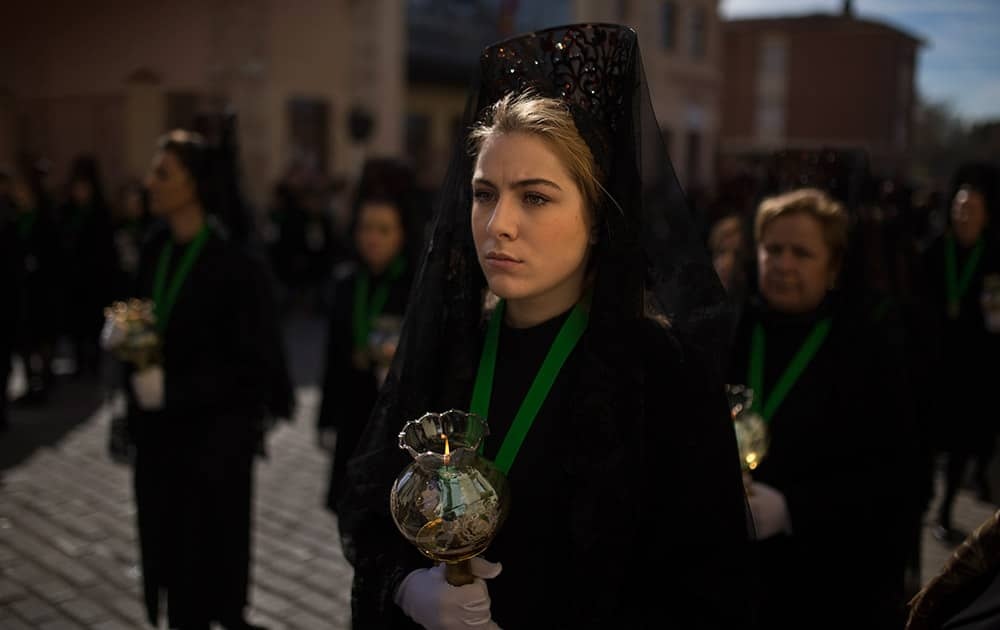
{"x": 197, "y": 418}
{"x": 627, "y": 503}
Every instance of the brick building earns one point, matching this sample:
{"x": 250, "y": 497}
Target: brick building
{"x": 814, "y": 81}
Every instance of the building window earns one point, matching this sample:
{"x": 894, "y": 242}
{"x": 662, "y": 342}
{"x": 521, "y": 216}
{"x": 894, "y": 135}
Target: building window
{"x": 769, "y": 113}
{"x": 699, "y": 33}
{"x": 309, "y": 124}
{"x": 669, "y": 25}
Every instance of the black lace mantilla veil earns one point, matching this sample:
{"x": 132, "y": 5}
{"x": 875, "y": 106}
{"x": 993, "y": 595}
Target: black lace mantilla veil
{"x": 649, "y": 254}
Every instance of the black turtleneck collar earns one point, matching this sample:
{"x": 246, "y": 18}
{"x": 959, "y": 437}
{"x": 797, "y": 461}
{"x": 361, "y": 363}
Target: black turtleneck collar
{"x": 770, "y": 316}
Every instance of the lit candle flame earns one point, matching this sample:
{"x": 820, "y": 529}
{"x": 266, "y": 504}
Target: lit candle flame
{"x": 447, "y": 449}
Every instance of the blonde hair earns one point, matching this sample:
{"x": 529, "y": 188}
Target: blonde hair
{"x": 549, "y": 119}
{"x": 811, "y": 202}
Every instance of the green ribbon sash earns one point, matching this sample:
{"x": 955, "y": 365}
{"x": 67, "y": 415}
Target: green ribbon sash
{"x": 365, "y": 311}
{"x": 567, "y": 338}
{"x": 163, "y": 303}
{"x": 768, "y": 406}
{"x": 955, "y": 285}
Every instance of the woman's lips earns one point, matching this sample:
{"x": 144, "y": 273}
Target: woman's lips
{"x": 500, "y": 261}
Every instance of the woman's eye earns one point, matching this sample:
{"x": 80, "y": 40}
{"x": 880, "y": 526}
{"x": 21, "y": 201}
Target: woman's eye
{"x": 483, "y": 196}
{"x": 534, "y": 199}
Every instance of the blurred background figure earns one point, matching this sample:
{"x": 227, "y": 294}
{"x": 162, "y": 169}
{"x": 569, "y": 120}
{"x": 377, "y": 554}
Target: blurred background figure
{"x": 38, "y": 255}
{"x": 728, "y": 246}
{"x": 306, "y": 243}
{"x": 961, "y": 272}
{"x": 833, "y": 491}
{"x": 366, "y": 306}
{"x": 198, "y": 419}
{"x": 86, "y": 252}
{"x": 129, "y": 222}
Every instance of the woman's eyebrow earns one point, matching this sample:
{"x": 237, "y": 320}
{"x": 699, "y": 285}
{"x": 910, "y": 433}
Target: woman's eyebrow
{"x": 523, "y": 183}
{"x": 537, "y": 181}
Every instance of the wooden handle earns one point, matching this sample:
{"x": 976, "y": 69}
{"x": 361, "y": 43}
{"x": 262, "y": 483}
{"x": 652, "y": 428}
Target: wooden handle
{"x": 458, "y": 573}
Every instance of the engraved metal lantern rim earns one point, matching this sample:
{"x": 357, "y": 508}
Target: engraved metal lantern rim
{"x": 453, "y": 423}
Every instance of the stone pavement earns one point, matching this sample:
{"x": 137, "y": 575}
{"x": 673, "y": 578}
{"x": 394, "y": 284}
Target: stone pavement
{"x": 68, "y": 556}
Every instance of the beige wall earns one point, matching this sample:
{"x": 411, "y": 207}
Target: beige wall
{"x": 442, "y": 105}
{"x": 309, "y": 57}
{"x": 685, "y": 92}
{"x": 67, "y": 66}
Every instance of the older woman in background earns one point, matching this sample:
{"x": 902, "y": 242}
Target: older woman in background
{"x": 832, "y": 493}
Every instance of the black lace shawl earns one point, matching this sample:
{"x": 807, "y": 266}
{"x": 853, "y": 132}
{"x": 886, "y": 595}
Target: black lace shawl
{"x": 649, "y": 259}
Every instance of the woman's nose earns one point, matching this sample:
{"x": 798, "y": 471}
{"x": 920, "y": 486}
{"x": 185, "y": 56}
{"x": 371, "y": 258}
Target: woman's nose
{"x": 504, "y": 220}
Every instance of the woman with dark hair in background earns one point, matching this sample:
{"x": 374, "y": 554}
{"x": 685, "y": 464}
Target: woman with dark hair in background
{"x": 38, "y": 256}
{"x": 86, "y": 260}
{"x": 196, "y": 419}
{"x": 960, "y": 268}
{"x": 368, "y": 297}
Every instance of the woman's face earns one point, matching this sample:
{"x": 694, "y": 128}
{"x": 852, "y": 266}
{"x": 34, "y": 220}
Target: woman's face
{"x": 379, "y": 235}
{"x": 170, "y": 185}
{"x": 968, "y": 215}
{"x": 794, "y": 263}
{"x": 529, "y": 221}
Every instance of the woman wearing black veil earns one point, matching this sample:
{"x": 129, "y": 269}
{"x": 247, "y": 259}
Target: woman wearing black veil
{"x": 627, "y": 504}
{"x": 197, "y": 418}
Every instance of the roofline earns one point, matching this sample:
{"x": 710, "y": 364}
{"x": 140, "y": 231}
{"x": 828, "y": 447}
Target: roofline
{"x": 826, "y": 17}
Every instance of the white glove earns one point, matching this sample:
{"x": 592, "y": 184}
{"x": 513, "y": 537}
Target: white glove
{"x": 148, "y": 387}
{"x": 112, "y": 334}
{"x": 770, "y": 511}
{"x": 427, "y": 598}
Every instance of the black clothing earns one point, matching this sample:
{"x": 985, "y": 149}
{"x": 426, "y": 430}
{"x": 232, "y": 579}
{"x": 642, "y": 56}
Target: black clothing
{"x": 306, "y": 248}
{"x": 843, "y": 453}
{"x": 127, "y": 236}
{"x": 349, "y": 391}
{"x": 964, "y": 353}
{"x": 37, "y": 323}
{"x": 224, "y": 378}
{"x": 597, "y": 506}
{"x": 11, "y": 284}
{"x": 86, "y": 277}
{"x": 961, "y": 370}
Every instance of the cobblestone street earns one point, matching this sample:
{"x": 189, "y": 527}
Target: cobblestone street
{"x": 67, "y": 536}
